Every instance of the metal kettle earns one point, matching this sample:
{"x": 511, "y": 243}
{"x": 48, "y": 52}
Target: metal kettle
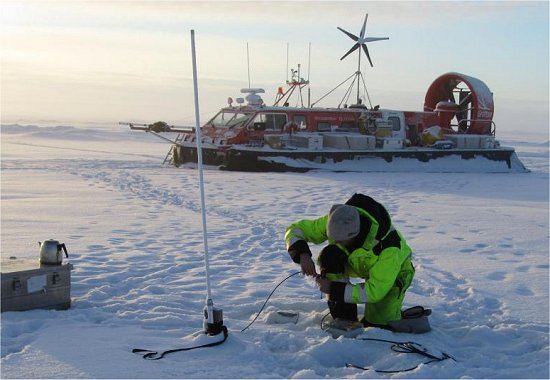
{"x": 51, "y": 252}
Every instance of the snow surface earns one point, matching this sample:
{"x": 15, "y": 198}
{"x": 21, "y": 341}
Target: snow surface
{"x": 134, "y": 236}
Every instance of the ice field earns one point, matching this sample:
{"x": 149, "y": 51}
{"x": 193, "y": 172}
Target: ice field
{"x": 133, "y": 231}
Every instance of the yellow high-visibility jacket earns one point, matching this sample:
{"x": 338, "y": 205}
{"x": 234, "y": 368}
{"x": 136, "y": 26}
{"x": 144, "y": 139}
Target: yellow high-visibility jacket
{"x": 381, "y": 255}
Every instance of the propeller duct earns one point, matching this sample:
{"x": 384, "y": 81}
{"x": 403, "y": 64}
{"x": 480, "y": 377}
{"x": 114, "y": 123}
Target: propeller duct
{"x": 474, "y": 103}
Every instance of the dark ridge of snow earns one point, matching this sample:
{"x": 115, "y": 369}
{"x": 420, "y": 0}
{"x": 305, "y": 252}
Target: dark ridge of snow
{"x": 527, "y": 143}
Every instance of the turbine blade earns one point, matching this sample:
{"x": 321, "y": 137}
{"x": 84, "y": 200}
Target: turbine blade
{"x": 448, "y": 92}
{"x": 353, "y": 37}
{"x": 367, "y": 53}
{"x": 464, "y": 99}
{"x": 355, "y": 47}
{"x": 362, "y": 35}
{"x": 372, "y": 39}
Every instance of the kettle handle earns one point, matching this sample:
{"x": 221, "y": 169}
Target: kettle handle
{"x": 39, "y": 244}
{"x": 62, "y": 245}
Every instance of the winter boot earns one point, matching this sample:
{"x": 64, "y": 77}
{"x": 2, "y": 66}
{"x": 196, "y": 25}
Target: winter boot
{"x": 413, "y": 320}
{"x": 342, "y": 327}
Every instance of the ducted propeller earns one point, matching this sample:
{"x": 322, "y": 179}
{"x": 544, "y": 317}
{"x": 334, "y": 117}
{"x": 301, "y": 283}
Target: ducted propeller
{"x": 464, "y": 103}
{"x": 361, "y": 41}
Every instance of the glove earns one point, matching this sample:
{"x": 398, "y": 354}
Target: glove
{"x": 323, "y": 284}
{"x": 301, "y": 254}
{"x": 307, "y": 265}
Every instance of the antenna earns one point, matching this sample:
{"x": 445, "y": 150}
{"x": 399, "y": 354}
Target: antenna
{"x": 308, "y": 61}
{"x": 287, "y": 47}
{"x": 213, "y": 317}
{"x": 300, "y": 86}
{"x": 248, "y": 63}
{"x": 294, "y": 82}
{"x": 308, "y": 71}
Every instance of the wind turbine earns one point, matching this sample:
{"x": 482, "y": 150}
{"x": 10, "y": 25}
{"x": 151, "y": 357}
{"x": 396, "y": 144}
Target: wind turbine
{"x": 360, "y": 41}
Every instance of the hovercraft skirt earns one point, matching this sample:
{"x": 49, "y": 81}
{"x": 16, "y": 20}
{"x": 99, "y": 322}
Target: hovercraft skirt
{"x": 424, "y": 160}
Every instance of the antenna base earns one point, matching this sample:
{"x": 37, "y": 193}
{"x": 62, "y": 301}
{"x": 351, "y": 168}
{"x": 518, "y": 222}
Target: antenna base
{"x": 214, "y": 325}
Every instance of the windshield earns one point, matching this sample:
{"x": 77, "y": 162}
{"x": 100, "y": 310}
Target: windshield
{"x": 230, "y": 119}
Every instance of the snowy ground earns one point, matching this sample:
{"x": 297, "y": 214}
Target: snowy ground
{"x": 134, "y": 236}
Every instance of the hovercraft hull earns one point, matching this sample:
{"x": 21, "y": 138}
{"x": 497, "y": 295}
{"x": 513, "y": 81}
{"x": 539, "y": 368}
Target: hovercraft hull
{"x": 252, "y": 159}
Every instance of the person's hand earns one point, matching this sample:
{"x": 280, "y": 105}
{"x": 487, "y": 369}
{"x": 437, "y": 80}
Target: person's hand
{"x": 323, "y": 284}
{"x": 307, "y": 265}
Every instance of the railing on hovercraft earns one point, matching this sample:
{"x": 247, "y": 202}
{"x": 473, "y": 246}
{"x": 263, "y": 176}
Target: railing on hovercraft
{"x": 464, "y": 125}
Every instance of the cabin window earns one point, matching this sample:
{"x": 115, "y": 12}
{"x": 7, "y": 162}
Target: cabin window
{"x": 349, "y": 126}
{"x": 323, "y": 126}
{"x": 395, "y": 122}
{"x": 229, "y": 119}
{"x": 300, "y": 121}
{"x": 269, "y": 122}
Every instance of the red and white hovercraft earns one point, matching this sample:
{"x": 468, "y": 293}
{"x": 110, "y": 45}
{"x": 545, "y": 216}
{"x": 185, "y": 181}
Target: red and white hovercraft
{"x": 454, "y": 133}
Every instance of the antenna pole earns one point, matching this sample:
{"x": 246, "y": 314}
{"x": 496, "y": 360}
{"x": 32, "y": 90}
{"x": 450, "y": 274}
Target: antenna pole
{"x": 300, "y": 86}
{"x": 199, "y": 161}
{"x": 308, "y": 71}
{"x": 287, "y": 47}
{"x": 213, "y": 317}
{"x": 248, "y": 64}
{"x": 309, "y": 61}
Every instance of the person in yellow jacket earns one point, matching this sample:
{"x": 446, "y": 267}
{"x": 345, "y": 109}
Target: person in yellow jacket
{"x": 362, "y": 244}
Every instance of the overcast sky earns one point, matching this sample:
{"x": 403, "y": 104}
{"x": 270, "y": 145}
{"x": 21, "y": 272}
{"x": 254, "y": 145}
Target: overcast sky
{"x": 109, "y": 61}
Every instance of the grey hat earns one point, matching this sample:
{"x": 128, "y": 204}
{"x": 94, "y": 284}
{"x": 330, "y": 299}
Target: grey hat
{"x": 343, "y": 223}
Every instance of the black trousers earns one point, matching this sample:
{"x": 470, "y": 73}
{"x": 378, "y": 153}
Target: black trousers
{"x": 333, "y": 260}
{"x": 343, "y": 310}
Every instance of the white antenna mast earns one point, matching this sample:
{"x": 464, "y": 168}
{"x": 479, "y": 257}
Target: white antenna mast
{"x": 213, "y": 320}
{"x": 287, "y": 47}
{"x": 308, "y": 71}
{"x": 309, "y": 61}
{"x": 248, "y": 63}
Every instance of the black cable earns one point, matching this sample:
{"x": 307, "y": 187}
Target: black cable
{"x": 156, "y": 355}
{"x": 268, "y": 297}
{"x": 399, "y": 347}
{"x": 323, "y": 321}
{"x": 406, "y": 348}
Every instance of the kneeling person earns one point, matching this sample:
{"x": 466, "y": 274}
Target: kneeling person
{"x": 362, "y": 244}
